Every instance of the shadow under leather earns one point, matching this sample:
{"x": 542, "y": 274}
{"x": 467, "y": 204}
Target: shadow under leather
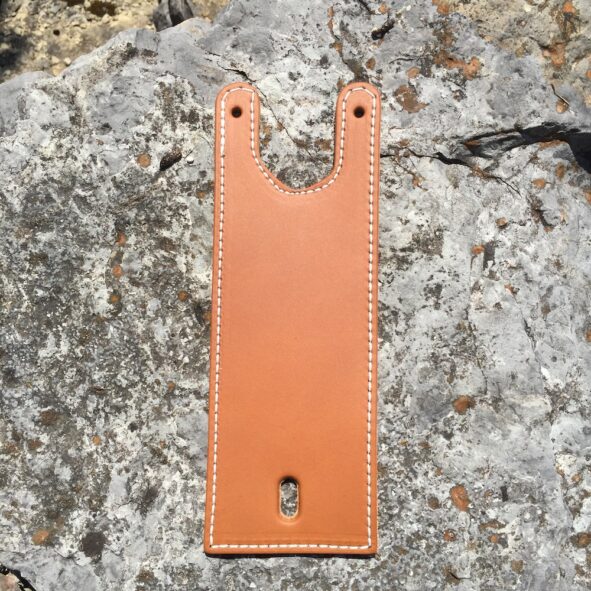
{"x": 290, "y": 555}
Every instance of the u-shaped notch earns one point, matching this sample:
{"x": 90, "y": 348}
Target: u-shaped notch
{"x": 355, "y": 142}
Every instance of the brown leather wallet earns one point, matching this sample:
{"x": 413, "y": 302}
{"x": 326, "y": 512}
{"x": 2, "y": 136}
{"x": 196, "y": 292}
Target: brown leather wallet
{"x": 294, "y": 340}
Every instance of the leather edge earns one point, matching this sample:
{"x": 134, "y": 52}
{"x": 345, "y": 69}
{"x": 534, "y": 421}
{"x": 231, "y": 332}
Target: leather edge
{"x": 222, "y": 549}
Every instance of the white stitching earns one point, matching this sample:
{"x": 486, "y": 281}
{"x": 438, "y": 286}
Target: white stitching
{"x": 328, "y": 182}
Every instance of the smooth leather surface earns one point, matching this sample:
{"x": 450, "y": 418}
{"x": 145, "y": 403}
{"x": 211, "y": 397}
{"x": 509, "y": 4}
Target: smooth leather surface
{"x": 293, "y": 340}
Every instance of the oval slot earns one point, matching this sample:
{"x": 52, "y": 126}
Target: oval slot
{"x": 289, "y": 497}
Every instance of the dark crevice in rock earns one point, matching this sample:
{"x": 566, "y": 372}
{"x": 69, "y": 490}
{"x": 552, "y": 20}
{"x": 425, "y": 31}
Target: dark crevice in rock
{"x": 246, "y": 77}
{"x": 299, "y": 144}
{"x": 241, "y": 73}
{"x": 493, "y": 144}
{"x": 355, "y": 66}
{"x": 538, "y": 213}
{"x": 23, "y": 584}
{"x": 447, "y": 160}
{"x": 170, "y": 158}
{"x": 365, "y": 5}
{"x": 382, "y": 31}
{"x": 170, "y": 13}
{"x": 580, "y": 144}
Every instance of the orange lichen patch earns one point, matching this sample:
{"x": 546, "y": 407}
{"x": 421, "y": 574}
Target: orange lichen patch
{"x": 266, "y": 132}
{"x": 416, "y": 180}
{"x": 323, "y": 144}
{"x": 550, "y": 144}
{"x": 588, "y": 74}
{"x": 383, "y": 8}
{"x": 517, "y": 566}
{"x": 555, "y": 53}
{"x": 408, "y": 99}
{"x": 588, "y": 336}
{"x": 488, "y": 493}
{"x": 96, "y": 439}
{"x": 582, "y": 539}
{"x": 512, "y": 290}
{"x": 463, "y": 403}
{"x": 114, "y": 298}
{"x": 121, "y": 239}
{"x": 477, "y": 249}
{"x": 472, "y": 68}
{"x": 170, "y": 386}
{"x": 413, "y": 72}
{"x": 442, "y": 6}
{"x": 370, "y": 64}
{"x": 561, "y": 106}
{"x": 10, "y": 448}
{"x": 469, "y": 69}
{"x": 49, "y": 417}
{"x": 117, "y": 271}
{"x": 183, "y": 296}
{"x": 459, "y": 497}
{"x": 560, "y": 171}
{"x": 479, "y": 172}
{"x": 588, "y": 195}
{"x": 449, "y": 535}
{"x": 568, "y": 8}
{"x": 492, "y": 524}
{"x": 433, "y": 503}
{"x": 40, "y": 537}
{"x": 539, "y": 183}
{"x": 34, "y": 444}
{"x": 144, "y": 160}
{"x": 501, "y": 222}
{"x": 494, "y": 538}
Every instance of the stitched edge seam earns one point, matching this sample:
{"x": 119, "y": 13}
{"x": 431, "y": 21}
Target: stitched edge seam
{"x": 219, "y": 300}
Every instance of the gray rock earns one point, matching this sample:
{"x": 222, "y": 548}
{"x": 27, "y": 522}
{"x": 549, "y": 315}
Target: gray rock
{"x": 485, "y": 323}
{"x": 169, "y": 13}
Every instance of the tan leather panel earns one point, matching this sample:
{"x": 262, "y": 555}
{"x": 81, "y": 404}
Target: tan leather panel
{"x": 293, "y": 341}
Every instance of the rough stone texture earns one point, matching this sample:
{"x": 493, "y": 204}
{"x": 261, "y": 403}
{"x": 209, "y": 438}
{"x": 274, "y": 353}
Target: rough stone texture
{"x": 485, "y": 321}
{"x": 42, "y": 35}
{"x": 173, "y": 12}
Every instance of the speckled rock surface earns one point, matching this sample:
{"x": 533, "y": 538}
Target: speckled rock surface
{"x": 485, "y": 320}
{"x": 48, "y": 36}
